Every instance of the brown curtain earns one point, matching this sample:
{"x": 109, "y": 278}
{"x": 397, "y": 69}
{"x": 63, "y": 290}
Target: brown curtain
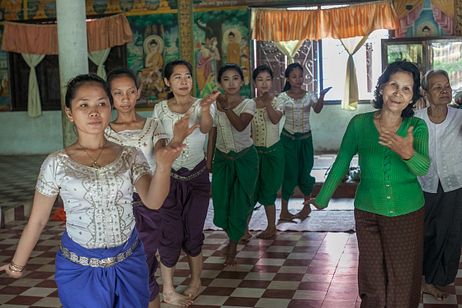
{"x": 354, "y": 20}
{"x": 102, "y": 33}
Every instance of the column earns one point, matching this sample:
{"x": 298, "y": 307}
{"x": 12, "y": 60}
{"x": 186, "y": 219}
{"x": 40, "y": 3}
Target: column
{"x": 73, "y": 54}
{"x": 185, "y": 25}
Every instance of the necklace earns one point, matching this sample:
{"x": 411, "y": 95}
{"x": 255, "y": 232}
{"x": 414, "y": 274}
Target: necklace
{"x": 94, "y": 161}
{"x": 394, "y": 128}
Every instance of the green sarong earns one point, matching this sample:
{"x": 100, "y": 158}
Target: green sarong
{"x": 299, "y": 160}
{"x": 271, "y": 173}
{"x": 234, "y": 176}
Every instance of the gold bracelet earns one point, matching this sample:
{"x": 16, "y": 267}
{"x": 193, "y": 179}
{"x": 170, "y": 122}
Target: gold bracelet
{"x": 15, "y": 268}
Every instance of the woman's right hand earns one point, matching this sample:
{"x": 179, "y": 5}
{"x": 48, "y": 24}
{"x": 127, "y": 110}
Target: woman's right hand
{"x": 222, "y": 103}
{"x": 10, "y": 273}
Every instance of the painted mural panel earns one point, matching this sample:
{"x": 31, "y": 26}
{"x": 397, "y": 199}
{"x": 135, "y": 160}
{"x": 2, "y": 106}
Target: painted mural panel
{"x": 5, "y": 98}
{"x": 220, "y": 37}
{"x": 155, "y": 42}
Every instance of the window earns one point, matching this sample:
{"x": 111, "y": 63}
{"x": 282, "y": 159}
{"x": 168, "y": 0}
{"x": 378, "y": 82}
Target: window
{"x": 325, "y": 65}
{"x": 368, "y": 63}
{"x": 48, "y": 78}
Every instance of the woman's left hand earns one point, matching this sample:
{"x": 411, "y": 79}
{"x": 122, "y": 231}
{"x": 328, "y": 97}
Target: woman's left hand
{"x": 209, "y": 99}
{"x": 181, "y": 129}
{"x": 403, "y": 146}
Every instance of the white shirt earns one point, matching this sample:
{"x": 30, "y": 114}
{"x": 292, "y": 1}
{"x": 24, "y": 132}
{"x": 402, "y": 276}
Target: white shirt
{"x": 193, "y": 154}
{"x": 98, "y": 202}
{"x": 297, "y": 112}
{"x": 230, "y": 139}
{"x": 445, "y": 149}
{"x": 144, "y": 139}
{"x": 264, "y": 132}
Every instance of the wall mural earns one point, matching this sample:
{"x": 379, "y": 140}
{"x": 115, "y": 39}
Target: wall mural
{"x": 155, "y": 42}
{"x": 220, "y": 37}
{"x": 5, "y": 98}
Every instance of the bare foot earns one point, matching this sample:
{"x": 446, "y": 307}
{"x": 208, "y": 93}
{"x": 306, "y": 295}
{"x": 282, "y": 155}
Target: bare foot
{"x": 434, "y": 291}
{"x": 269, "y": 233}
{"x": 231, "y": 255}
{"x": 246, "y": 237}
{"x": 174, "y": 298}
{"x": 192, "y": 291}
{"x": 304, "y": 213}
{"x": 286, "y": 216}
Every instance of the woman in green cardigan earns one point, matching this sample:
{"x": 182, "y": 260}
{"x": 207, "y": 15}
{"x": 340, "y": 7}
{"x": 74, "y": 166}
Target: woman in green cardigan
{"x": 392, "y": 146}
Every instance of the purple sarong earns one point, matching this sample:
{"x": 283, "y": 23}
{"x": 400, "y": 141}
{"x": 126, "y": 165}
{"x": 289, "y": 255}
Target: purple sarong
{"x": 183, "y": 214}
{"x": 148, "y": 227}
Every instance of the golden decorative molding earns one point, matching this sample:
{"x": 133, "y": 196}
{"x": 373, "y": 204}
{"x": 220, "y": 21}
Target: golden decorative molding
{"x": 185, "y": 25}
{"x": 457, "y": 17}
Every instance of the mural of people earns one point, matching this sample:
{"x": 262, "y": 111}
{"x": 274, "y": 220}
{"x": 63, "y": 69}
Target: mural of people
{"x": 207, "y": 58}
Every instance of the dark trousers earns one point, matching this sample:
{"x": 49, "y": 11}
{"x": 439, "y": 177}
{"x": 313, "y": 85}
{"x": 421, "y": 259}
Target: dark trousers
{"x": 183, "y": 214}
{"x": 443, "y": 236}
{"x": 148, "y": 227}
{"x": 390, "y": 259}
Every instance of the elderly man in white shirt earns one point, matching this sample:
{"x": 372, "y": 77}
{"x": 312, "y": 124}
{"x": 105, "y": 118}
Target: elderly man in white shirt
{"x": 442, "y": 185}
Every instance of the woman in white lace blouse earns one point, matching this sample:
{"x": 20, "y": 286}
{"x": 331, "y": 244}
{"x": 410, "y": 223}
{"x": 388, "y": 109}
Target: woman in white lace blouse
{"x": 100, "y": 254}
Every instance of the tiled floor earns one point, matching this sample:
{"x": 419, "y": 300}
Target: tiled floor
{"x": 297, "y": 269}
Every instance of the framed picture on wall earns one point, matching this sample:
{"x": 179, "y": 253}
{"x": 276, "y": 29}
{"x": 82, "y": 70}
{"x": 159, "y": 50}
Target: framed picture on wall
{"x": 428, "y": 53}
{"x": 411, "y": 50}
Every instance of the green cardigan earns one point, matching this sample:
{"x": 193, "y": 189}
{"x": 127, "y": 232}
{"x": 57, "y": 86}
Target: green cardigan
{"x": 388, "y": 184}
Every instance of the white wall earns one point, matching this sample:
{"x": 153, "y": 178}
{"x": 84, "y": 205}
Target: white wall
{"x": 21, "y": 134}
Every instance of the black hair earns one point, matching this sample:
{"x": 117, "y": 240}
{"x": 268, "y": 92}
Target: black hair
{"x": 170, "y": 66}
{"x": 392, "y": 68}
{"x": 75, "y": 83}
{"x": 229, "y": 67}
{"x": 260, "y": 69}
{"x": 287, "y": 72}
{"x": 119, "y": 72}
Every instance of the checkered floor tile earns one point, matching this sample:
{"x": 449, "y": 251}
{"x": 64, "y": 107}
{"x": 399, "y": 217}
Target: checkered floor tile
{"x": 297, "y": 269}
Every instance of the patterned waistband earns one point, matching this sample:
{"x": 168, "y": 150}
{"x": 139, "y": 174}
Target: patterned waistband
{"x": 95, "y": 262}
{"x": 271, "y": 149}
{"x": 188, "y": 177}
{"x": 297, "y": 136}
{"x": 234, "y": 155}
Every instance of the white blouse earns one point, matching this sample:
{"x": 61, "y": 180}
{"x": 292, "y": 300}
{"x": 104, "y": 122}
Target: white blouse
{"x": 228, "y": 138}
{"x": 144, "y": 139}
{"x": 264, "y": 132}
{"x": 193, "y": 154}
{"x": 98, "y": 202}
{"x": 297, "y": 112}
{"x": 445, "y": 148}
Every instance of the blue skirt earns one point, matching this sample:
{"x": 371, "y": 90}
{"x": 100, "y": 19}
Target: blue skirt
{"x": 124, "y": 284}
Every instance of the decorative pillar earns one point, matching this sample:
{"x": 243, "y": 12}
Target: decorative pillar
{"x": 73, "y": 54}
{"x": 457, "y": 17}
{"x": 185, "y": 25}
